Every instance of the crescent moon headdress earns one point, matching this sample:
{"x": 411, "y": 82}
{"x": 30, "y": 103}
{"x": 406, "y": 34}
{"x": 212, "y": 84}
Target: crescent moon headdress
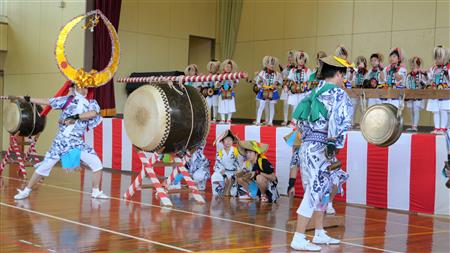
{"x": 80, "y": 77}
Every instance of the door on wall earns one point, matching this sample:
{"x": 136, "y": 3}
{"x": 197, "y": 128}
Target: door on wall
{"x": 201, "y": 51}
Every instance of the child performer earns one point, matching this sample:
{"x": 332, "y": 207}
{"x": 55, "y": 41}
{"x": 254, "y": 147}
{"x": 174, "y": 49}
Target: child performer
{"x": 373, "y": 77}
{"x": 192, "y": 70}
{"x": 227, "y": 105}
{"x": 313, "y": 77}
{"x": 268, "y": 80}
{"x": 285, "y": 90}
{"x": 213, "y": 67}
{"x": 438, "y": 79}
{"x": 416, "y": 79}
{"x": 227, "y": 164}
{"x": 198, "y": 167}
{"x": 395, "y": 74}
{"x": 299, "y": 79}
{"x": 262, "y": 171}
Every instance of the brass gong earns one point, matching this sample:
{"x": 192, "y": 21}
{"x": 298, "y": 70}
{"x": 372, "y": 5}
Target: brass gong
{"x": 382, "y": 124}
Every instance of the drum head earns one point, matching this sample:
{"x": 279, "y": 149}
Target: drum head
{"x": 12, "y": 117}
{"x": 146, "y": 117}
{"x": 379, "y": 124}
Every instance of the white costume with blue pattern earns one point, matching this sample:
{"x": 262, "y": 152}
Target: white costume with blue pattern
{"x": 71, "y": 136}
{"x": 198, "y": 167}
{"x": 313, "y": 162}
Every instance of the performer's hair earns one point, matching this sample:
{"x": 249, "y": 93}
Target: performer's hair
{"x": 321, "y": 54}
{"x": 377, "y": 55}
{"x": 328, "y": 71}
{"x": 72, "y": 85}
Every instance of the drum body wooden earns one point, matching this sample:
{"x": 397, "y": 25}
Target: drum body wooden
{"x": 23, "y": 118}
{"x": 158, "y": 118}
{"x": 381, "y": 125}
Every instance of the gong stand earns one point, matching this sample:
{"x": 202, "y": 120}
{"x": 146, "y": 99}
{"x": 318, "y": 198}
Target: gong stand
{"x": 149, "y": 172}
{"x": 20, "y": 156}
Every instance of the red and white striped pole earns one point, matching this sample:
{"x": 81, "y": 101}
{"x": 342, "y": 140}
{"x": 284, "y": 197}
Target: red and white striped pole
{"x": 150, "y": 173}
{"x": 16, "y": 149}
{"x": 191, "y": 184}
{"x": 199, "y": 78}
{"x": 7, "y": 156}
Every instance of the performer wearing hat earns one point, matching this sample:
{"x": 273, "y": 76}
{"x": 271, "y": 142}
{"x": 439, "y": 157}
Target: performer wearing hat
{"x": 261, "y": 169}
{"x": 268, "y": 80}
{"x": 416, "y": 79}
{"x": 78, "y": 115}
{"x": 198, "y": 167}
{"x": 78, "y": 112}
{"x": 226, "y": 104}
{"x": 323, "y": 119}
{"x": 192, "y": 70}
{"x": 395, "y": 74}
{"x": 313, "y": 78}
{"x": 227, "y": 164}
{"x": 373, "y": 77}
{"x": 213, "y": 68}
{"x": 438, "y": 79}
{"x": 299, "y": 79}
{"x": 285, "y": 89}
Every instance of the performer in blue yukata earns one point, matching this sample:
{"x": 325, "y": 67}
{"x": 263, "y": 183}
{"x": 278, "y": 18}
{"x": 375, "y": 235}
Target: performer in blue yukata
{"x": 198, "y": 167}
{"x": 78, "y": 115}
{"x": 324, "y": 117}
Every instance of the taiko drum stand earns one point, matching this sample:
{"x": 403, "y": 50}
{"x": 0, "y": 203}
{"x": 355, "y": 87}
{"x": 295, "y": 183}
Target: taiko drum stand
{"x": 149, "y": 172}
{"x": 20, "y": 157}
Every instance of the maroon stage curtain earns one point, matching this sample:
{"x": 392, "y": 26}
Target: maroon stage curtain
{"x": 102, "y": 52}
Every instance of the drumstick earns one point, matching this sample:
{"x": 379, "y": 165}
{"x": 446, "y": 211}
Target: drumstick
{"x": 334, "y": 166}
{"x": 198, "y": 78}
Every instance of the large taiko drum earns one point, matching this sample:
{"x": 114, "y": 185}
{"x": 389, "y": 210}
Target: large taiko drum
{"x": 166, "y": 118}
{"x": 23, "y": 118}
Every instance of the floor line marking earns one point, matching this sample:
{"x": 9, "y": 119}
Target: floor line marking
{"x": 204, "y": 215}
{"x": 94, "y": 227}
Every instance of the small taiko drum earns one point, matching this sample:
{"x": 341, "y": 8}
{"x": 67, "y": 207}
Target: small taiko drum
{"x": 166, "y": 118}
{"x": 23, "y": 118}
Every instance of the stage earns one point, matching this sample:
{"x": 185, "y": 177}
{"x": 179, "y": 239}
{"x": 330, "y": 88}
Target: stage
{"x": 61, "y": 216}
{"x": 405, "y": 176}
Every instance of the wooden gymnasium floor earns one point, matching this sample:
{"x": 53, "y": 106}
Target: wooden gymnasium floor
{"x": 60, "y": 216}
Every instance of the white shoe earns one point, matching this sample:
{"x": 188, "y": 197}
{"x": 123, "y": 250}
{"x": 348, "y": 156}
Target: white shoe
{"x": 96, "y": 194}
{"x": 323, "y": 238}
{"x": 175, "y": 187}
{"x": 330, "y": 210}
{"x": 23, "y": 194}
{"x": 245, "y": 197}
{"x": 304, "y": 245}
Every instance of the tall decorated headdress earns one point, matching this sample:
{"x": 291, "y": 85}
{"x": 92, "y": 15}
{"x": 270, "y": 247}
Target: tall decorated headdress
{"x": 79, "y": 76}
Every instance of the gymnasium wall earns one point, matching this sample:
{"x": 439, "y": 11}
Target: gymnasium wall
{"x": 274, "y": 27}
{"x": 154, "y": 35}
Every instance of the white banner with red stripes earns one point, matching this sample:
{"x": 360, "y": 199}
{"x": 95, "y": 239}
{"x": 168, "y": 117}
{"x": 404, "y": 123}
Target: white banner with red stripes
{"x": 404, "y": 176}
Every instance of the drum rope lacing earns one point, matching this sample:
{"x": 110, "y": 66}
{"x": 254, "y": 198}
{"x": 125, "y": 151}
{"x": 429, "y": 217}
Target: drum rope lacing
{"x": 192, "y": 116}
{"x": 34, "y": 118}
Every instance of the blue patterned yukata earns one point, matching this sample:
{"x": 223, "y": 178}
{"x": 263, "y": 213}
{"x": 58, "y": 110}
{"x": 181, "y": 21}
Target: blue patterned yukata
{"x": 331, "y": 120}
{"x": 71, "y": 136}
